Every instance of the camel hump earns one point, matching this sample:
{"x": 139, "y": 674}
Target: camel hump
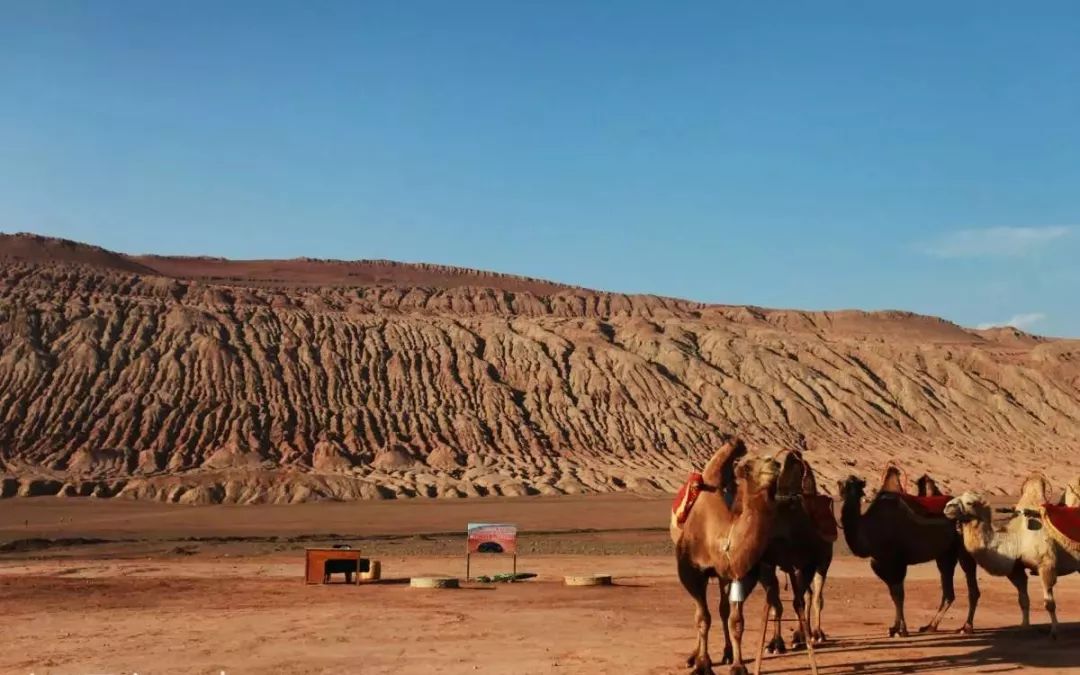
{"x": 927, "y": 487}
{"x": 720, "y": 471}
{"x": 1035, "y": 491}
{"x": 894, "y": 479}
{"x": 1072, "y": 493}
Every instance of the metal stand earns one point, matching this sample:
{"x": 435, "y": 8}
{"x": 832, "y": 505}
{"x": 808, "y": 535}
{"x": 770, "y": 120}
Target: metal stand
{"x": 764, "y": 630}
{"x": 804, "y": 627}
{"x": 468, "y": 565}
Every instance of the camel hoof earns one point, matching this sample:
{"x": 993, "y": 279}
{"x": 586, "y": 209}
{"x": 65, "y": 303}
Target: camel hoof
{"x": 898, "y": 632}
{"x": 738, "y": 670}
{"x": 797, "y": 641}
{"x": 776, "y": 646}
{"x": 820, "y": 637}
{"x": 966, "y": 629}
{"x": 928, "y": 628}
{"x": 728, "y": 657}
{"x": 702, "y": 667}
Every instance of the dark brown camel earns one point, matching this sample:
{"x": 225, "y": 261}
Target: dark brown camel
{"x": 716, "y": 540}
{"x": 799, "y": 548}
{"x": 894, "y": 536}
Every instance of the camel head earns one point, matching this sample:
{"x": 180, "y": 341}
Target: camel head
{"x": 852, "y": 488}
{"x": 758, "y": 475}
{"x": 792, "y": 473}
{"x": 968, "y": 507}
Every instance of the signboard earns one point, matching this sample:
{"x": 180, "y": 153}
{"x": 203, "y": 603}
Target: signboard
{"x": 492, "y": 538}
{"x": 498, "y": 538}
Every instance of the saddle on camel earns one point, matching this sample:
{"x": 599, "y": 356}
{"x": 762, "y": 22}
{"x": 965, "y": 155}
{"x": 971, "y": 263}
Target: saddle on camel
{"x": 1041, "y": 537}
{"x": 1064, "y": 525}
{"x": 928, "y": 502}
{"x": 720, "y": 525}
{"x": 899, "y": 529}
{"x": 801, "y": 547}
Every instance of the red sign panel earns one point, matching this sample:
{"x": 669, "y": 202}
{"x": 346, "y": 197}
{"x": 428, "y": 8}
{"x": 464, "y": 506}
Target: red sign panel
{"x": 492, "y": 538}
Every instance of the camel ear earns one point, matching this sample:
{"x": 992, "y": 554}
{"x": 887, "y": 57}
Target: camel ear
{"x": 740, "y": 448}
{"x": 839, "y": 487}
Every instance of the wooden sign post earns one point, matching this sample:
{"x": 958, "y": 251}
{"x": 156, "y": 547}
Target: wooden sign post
{"x": 491, "y": 538}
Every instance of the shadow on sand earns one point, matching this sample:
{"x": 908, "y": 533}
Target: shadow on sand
{"x": 998, "y": 650}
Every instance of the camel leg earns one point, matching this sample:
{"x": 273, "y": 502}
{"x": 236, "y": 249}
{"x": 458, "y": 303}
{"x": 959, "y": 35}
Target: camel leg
{"x": 971, "y": 580}
{"x": 893, "y": 576}
{"x": 735, "y": 623}
{"x": 799, "y": 583}
{"x": 725, "y": 614}
{"x": 696, "y": 584}
{"x": 946, "y": 568}
{"x": 798, "y": 603}
{"x": 1048, "y": 577}
{"x": 1018, "y": 577}
{"x": 817, "y": 601}
{"x": 772, "y": 598}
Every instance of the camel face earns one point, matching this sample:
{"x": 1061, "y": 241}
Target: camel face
{"x": 967, "y": 507}
{"x": 760, "y": 474}
{"x": 852, "y": 487}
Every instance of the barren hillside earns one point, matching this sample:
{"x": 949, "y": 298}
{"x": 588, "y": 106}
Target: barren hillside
{"x": 206, "y": 380}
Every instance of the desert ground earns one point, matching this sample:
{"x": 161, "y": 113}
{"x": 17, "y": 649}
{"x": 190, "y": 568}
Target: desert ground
{"x": 112, "y": 586}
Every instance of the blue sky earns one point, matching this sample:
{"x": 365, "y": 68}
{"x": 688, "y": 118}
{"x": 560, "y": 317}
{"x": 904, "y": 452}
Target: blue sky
{"x": 916, "y": 155}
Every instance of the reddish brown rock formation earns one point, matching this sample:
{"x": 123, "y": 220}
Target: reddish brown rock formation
{"x": 205, "y": 380}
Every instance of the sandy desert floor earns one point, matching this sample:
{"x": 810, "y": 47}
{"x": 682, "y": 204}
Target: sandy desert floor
{"x": 166, "y": 589}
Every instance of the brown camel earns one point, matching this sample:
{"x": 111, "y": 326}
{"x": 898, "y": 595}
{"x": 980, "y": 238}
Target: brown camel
{"x": 893, "y": 535}
{"x": 801, "y": 546}
{"x": 716, "y": 540}
{"x": 1026, "y": 543}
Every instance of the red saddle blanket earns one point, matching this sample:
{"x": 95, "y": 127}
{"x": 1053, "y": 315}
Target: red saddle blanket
{"x": 927, "y": 506}
{"x": 684, "y": 500}
{"x": 1064, "y": 519}
{"x": 820, "y": 509}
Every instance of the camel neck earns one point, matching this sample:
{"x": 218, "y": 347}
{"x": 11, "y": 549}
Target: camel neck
{"x": 851, "y": 519}
{"x": 992, "y": 551}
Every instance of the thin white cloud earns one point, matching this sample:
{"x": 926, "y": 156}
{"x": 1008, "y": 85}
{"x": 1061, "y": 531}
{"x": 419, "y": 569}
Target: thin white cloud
{"x": 1020, "y": 321}
{"x": 995, "y": 242}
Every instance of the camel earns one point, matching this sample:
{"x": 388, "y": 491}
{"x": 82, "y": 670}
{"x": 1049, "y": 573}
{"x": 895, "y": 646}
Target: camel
{"x": 894, "y": 536}
{"x": 799, "y": 548}
{"x": 716, "y": 540}
{"x": 1025, "y": 543}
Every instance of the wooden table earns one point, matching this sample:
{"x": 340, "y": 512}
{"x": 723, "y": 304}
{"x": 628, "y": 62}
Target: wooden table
{"x": 316, "y": 559}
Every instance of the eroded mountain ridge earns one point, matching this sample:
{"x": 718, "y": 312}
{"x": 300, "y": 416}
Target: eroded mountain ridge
{"x": 203, "y": 380}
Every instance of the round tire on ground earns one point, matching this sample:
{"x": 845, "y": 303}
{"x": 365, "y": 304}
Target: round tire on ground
{"x": 433, "y": 582}
{"x": 588, "y": 580}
